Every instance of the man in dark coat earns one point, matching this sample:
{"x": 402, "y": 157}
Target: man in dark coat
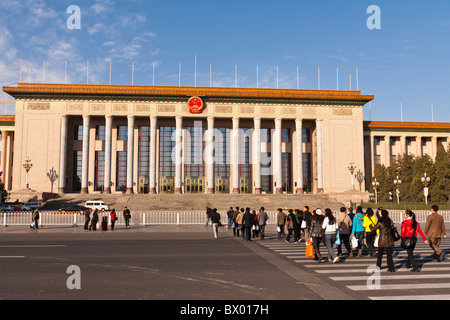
{"x": 248, "y": 223}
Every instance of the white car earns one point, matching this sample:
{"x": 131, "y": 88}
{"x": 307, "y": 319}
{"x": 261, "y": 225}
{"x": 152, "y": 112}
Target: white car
{"x": 96, "y": 204}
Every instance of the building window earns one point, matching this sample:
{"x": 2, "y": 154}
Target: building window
{"x": 99, "y": 173}
{"x": 286, "y": 171}
{"x": 121, "y": 172}
{"x": 285, "y": 135}
{"x": 222, "y": 152}
{"x": 78, "y": 133}
{"x": 122, "y": 133}
{"x": 306, "y": 135}
{"x": 245, "y": 168}
{"x": 377, "y": 159}
{"x": 100, "y": 133}
{"x": 166, "y": 145}
{"x": 77, "y": 164}
{"x": 194, "y": 165}
{"x": 144, "y": 151}
{"x": 307, "y": 186}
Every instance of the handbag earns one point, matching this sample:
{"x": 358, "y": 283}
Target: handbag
{"x": 309, "y": 251}
{"x": 375, "y": 243}
{"x": 354, "y": 242}
{"x": 338, "y": 239}
{"x": 409, "y": 242}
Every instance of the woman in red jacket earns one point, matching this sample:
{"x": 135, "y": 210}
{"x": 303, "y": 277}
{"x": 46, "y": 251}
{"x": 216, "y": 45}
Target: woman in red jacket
{"x": 410, "y": 229}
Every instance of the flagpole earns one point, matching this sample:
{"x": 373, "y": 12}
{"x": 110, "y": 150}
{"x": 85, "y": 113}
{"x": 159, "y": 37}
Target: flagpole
{"x": 65, "y": 73}
{"x": 110, "y": 70}
{"x": 318, "y": 77}
{"x": 277, "y": 76}
{"x": 132, "y": 74}
{"x": 357, "y": 80}
{"x": 298, "y": 79}
{"x": 195, "y": 72}
{"x": 179, "y": 74}
{"x": 257, "y": 76}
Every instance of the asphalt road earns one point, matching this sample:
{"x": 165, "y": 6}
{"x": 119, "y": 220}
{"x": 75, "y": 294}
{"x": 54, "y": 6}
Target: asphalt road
{"x": 143, "y": 265}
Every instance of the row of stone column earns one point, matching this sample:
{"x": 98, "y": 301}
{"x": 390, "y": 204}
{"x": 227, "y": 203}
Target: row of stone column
{"x": 209, "y": 154}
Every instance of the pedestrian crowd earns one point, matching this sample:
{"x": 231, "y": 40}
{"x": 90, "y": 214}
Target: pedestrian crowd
{"x": 364, "y": 233}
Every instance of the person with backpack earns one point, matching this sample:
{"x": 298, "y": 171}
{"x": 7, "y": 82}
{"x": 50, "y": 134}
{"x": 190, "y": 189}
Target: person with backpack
{"x": 292, "y": 225}
{"x": 358, "y": 229}
{"x": 410, "y": 230}
{"x": 386, "y": 241}
{"x": 344, "y": 227}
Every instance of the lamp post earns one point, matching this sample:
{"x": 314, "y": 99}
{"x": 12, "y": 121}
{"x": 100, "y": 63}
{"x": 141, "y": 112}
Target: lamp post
{"x": 425, "y": 181}
{"x": 352, "y": 167}
{"x": 375, "y": 185}
{"x": 27, "y": 166}
{"x": 397, "y": 182}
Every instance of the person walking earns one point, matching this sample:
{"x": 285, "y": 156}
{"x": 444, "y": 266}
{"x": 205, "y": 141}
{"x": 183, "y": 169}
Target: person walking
{"x": 255, "y": 226}
{"x": 344, "y": 227}
{"x": 127, "y": 217}
{"x": 235, "y": 223}
{"x": 94, "y": 221}
{"x": 386, "y": 241}
{"x": 262, "y": 221}
{"x": 215, "y": 222}
{"x": 306, "y": 222}
{"x": 230, "y": 217}
{"x": 317, "y": 232}
{"x": 299, "y": 215}
{"x": 370, "y": 220}
{"x": 358, "y": 229}
{"x": 35, "y": 219}
{"x": 435, "y": 231}
{"x": 248, "y": 223}
{"x": 113, "y": 216}
{"x": 281, "y": 220}
{"x": 292, "y": 225}
{"x": 87, "y": 218}
{"x": 410, "y": 230}
{"x": 240, "y": 223}
{"x": 330, "y": 225}
{"x": 208, "y": 216}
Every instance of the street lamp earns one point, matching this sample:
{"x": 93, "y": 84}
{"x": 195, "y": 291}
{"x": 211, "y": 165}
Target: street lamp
{"x": 27, "y": 165}
{"x": 425, "y": 181}
{"x": 397, "y": 182}
{"x": 352, "y": 167}
{"x": 375, "y": 185}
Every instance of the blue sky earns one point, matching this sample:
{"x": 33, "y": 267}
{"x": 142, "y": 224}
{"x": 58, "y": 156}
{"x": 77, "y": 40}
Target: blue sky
{"x": 406, "y": 61}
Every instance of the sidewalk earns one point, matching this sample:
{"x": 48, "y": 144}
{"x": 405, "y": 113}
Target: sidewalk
{"x": 120, "y": 228}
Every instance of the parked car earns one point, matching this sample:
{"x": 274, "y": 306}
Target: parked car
{"x": 73, "y": 209}
{"x": 32, "y": 205}
{"x": 96, "y": 204}
{"x": 10, "y": 207}
{"x": 25, "y": 208}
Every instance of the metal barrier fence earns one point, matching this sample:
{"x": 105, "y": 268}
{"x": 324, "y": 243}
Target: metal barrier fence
{"x": 145, "y": 218}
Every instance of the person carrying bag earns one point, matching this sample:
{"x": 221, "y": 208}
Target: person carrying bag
{"x": 410, "y": 229}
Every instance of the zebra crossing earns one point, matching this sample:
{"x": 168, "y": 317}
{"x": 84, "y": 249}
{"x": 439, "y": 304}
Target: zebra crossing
{"x": 360, "y": 275}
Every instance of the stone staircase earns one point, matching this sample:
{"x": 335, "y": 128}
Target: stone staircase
{"x": 144, "y": 202}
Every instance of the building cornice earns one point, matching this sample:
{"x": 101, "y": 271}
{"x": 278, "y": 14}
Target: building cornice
{"x": 166, "y": 93}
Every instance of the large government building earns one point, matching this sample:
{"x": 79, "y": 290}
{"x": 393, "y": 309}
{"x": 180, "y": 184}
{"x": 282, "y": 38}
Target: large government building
{"x": 152, "y": 139}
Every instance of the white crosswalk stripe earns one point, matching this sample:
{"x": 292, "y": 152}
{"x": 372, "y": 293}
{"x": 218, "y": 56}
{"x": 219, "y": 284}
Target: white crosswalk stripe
{"x": 431, "y": 283}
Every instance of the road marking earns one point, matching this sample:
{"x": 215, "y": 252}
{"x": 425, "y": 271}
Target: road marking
{"x": 405, "y": 286}
{"x": 11, "y": 257}
{"x": 394, "y": 277}
{"x": 35, "y": 246}
{"x": 418, "y": 297}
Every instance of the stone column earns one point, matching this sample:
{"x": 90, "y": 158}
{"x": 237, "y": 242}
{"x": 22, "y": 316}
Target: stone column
{"x": 63, "y": 155}
{"x": 108, "y": 144}
{"x": 178, "y": 151}
{"x": 419, "y": 152}
{"x": 85, "y": 155}
{"x": 403, "y": 145}
{"x": 433, "y": 147}
{"x": 387, "y": 155}
{"x": 130, "y": 154}
{"x": 257, "y": 154}
{"x": 209, "y": 156}
{"x": 299, "y": 154}
{"x": 3, "y": 161}
{"x": 152, "y": 169}
{"x": 277, "y": 157}
{"x": 319, "y": 127}
{"x": 372, "y": 153}
{"x": 234, "y": 156}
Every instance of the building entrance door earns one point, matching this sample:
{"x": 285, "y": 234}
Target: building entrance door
{"x": 194, "y": 184}
{"x": 245, "y": 185}
{"x": 222, "y": 185}
{"x": 166, "y": 184}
